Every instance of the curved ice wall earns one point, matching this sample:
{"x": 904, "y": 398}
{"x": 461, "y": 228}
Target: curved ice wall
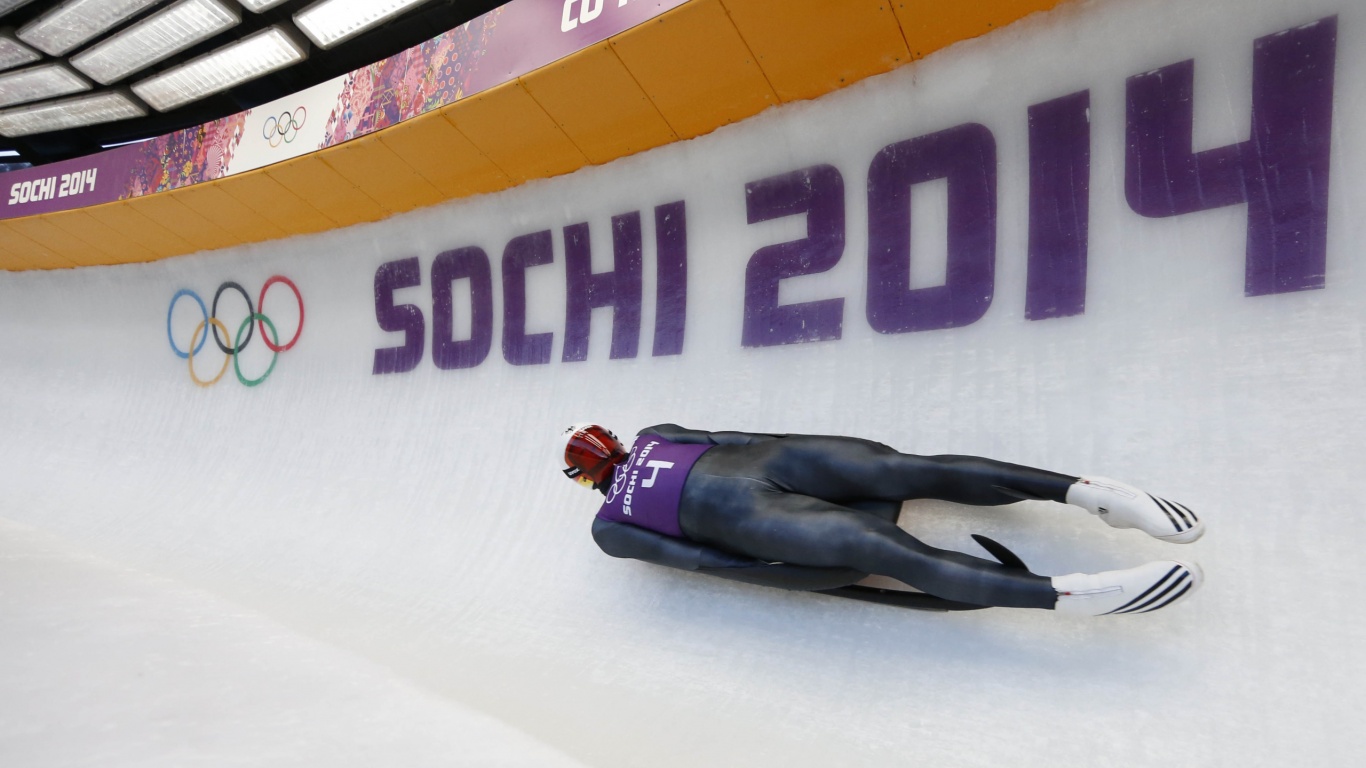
{"x": 1119, "y": 238}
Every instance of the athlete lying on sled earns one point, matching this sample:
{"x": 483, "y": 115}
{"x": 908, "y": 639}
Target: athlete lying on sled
{"x": 819, "y": 513}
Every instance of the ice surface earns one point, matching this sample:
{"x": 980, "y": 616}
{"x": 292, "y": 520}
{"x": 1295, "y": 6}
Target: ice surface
{"x": 107, "y": 666}
{"x": 416, "y": 520}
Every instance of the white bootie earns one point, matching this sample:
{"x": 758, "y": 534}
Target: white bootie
{"x": 1134, "y": 590}
{"x": 1123, "y": 506}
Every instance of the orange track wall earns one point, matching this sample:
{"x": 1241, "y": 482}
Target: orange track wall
{"x": 698, "y": 67}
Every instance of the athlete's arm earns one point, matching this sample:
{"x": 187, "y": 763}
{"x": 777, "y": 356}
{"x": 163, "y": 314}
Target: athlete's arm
{"x": 676, "y": 434}
{"x": 630, "y": 541}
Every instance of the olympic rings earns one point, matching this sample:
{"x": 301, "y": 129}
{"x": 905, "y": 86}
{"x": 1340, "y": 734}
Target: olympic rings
{"x": 216, "y": 324}
{"x": 285, "y": 127}
{"x": 250, "y": 310}
{"x": 261, "y": 306}
{"x": 200, "y": 302}
{"x": 236, "y": 364}
{"x": 210, "y": 325}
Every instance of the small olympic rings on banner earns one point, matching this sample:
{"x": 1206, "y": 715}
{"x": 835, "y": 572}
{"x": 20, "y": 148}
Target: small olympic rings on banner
{"x": 210, "y": 325}
{"x": 284, "y": 128}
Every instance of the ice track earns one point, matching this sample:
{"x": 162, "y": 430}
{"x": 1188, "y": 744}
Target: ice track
{"x": 338, "y": 566}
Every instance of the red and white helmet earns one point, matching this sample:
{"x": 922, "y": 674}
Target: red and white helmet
{"x": 589, "y": 453}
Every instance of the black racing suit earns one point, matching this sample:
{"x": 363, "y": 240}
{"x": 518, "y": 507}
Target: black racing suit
{"x": 814, "y": 512}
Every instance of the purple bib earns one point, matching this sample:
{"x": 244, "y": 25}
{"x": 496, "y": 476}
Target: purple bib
{"x": 648, "y": 486}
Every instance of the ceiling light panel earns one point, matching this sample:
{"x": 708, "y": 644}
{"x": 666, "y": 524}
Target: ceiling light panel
{"x": 8, "y": 5}
{"x": 257, "y": 6}
{"x": 14, "y": 53}
{"x": 76, "y": 21}
{"x": 95, "y": 108}
{"x": 44, "y": 81}
{"x": 249, "y": 58}
{"x": 158, "y": 36}
{"x": 332, "y": 21}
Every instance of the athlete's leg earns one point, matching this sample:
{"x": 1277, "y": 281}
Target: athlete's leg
{"x": 889, "y": 510}
{"x": 848, "y": 468}
{"x": 784, "y": 527}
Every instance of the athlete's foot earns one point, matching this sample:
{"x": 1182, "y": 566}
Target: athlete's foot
{"x": 1135, "y": 590}
{"x": 1123, "y": 506}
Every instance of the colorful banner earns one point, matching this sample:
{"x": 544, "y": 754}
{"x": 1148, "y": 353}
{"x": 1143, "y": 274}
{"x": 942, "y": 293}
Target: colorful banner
{"x": 455, "y": 64}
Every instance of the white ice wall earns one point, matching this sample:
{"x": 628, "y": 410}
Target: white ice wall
{"x": 416, "y": 518}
